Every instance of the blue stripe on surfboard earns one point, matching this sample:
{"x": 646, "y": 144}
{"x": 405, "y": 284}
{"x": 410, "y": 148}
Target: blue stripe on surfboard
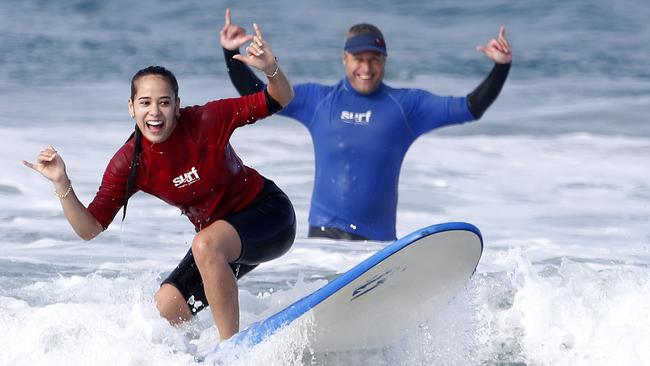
{"x": 257, "y": 332}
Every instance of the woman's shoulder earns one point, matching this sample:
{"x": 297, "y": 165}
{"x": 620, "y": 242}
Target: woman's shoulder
{"x": 121, "y": 160}
{"x": 194, "y": 113}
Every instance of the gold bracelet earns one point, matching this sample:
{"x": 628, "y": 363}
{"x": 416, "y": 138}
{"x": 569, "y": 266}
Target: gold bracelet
{"x": 277, "y": 68}
{"x": 67, "y": 192}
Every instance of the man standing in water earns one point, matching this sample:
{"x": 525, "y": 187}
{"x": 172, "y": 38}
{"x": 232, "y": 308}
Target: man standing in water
{"x": 362, "y": 128}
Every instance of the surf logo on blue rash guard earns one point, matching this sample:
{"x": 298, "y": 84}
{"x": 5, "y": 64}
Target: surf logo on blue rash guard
{"x": 357, "y": 118}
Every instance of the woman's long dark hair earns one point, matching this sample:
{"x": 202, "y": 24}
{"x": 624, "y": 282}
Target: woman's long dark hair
{"x": 137, "y": 148}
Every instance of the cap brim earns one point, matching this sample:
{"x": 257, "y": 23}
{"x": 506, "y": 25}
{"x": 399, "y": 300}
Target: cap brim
{"x": 364, "y": 48}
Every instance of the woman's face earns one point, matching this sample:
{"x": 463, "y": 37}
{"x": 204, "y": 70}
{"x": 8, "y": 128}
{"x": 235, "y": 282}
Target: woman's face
{"x": 154, "y": 108}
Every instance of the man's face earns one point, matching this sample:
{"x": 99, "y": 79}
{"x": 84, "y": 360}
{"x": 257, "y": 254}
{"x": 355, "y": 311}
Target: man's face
{"x": 365, "y": 70}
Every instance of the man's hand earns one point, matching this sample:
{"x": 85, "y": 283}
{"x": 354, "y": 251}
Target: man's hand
{"x": 233, "y": 36}
{"x": 498, "y": 50}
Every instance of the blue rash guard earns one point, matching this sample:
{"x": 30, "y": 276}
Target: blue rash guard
{"x": 359, "y": 143}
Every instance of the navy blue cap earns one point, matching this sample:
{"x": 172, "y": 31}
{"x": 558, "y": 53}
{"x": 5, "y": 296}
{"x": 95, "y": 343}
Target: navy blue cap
{"x": 366, "y": 42}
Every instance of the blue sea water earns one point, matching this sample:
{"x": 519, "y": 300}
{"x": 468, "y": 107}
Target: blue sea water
{"x": 555, "y": 175}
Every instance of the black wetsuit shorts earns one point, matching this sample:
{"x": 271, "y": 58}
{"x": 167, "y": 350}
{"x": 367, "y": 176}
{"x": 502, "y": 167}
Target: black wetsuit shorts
{"x": 267, "y": 229}
{"x": 333, "y": 233}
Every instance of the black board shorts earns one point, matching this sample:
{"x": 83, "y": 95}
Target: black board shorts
{"x": 267, "y": 229}
{"x": 332, "y": 233}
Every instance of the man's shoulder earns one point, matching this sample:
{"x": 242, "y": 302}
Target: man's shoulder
{"x": 401, "y": 95}
{"x": 402, "y": 91}
{"x": 311, "y": 92}
{"x": 312, "y": 87}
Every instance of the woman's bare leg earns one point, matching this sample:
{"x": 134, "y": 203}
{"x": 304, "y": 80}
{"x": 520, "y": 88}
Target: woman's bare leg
{"x": 171, "y": 304}
{"x": 214, "y": 248}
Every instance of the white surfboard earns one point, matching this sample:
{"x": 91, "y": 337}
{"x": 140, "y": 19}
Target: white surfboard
{"x": 375, "y": 302}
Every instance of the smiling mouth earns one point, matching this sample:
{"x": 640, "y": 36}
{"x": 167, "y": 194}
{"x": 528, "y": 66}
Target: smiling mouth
{"x": 154, "y": 126}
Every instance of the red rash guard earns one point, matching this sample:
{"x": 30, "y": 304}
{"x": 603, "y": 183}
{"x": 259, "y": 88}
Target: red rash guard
{"x": 195, "y": 169}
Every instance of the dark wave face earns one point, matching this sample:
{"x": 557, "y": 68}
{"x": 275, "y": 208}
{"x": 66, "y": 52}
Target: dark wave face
{"x": 60, "y": 41}
{"x": 579, "y": 66}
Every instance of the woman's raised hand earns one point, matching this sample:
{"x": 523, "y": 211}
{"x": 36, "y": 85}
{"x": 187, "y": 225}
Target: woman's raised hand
{"x": 50, "y": 164}
{"x": 259, "y": 54}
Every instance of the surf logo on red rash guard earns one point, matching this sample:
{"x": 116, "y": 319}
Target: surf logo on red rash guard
{"x": 186, "y": 179}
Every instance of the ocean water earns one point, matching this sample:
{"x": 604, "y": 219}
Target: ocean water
{"x": 555, "y": 175}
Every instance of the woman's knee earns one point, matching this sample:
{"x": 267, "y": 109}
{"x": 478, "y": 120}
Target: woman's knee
{"x": 217, "y": 243}
{"x": 208, "y": 252}
{"x": 171, "y": 304}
